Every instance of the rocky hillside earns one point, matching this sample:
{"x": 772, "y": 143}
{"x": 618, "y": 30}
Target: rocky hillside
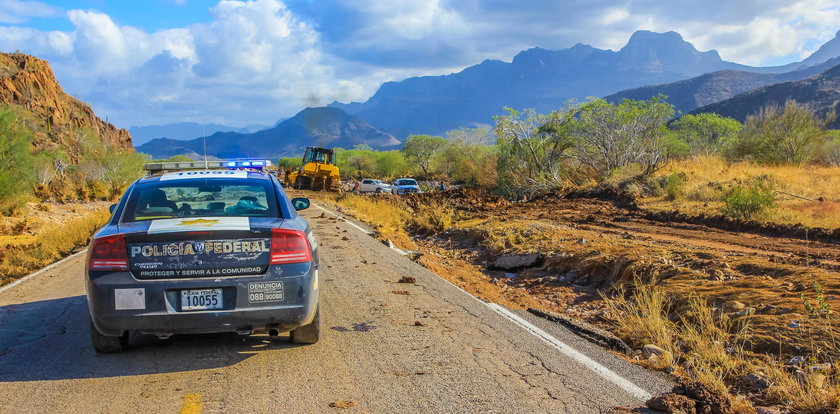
{"x": 28, "y": 84}
{"x": 325, "y": 127}
{"x": 821, "y": 92}
{"x": 690, "y": 94}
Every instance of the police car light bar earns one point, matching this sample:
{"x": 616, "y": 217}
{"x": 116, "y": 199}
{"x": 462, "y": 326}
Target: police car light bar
{"x": 154, "y": 167}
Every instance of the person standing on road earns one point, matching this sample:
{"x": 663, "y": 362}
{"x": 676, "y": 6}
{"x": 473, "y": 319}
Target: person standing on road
{"x": 356, "y": 187}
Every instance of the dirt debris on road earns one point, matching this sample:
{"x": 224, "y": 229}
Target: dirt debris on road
{"x": 50, "y": 363}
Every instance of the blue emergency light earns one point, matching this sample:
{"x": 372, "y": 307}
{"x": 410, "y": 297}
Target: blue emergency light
{"x": 247, "y": 164}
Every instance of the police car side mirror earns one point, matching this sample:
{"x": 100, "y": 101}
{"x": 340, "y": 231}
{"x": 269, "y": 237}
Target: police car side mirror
{"x": 112, "y": 207}
{"x": 300, "y": 203}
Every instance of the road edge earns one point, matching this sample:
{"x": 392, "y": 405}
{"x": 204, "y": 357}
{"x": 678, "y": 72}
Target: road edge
{"x": 625, "y": 384}
{"x": 41, "y": 271}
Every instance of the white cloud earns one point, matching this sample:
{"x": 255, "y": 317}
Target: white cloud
{"x": 17, "y": 11}
{"x": 254, "y": 62}
{"x": 258, "y": 60}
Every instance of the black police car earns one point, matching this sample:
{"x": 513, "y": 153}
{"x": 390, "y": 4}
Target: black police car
{"x": 203, "y": 251}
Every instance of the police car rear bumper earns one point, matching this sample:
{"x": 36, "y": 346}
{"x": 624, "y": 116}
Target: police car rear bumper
{"x": 118, "y": 302}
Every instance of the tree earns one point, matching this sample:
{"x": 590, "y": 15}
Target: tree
{"x": 707, "y": 133}
{"x": 120, "y": 169}
{"x": 468, "y": 159}
{"x": 390, "y": 164}
{"x": 531, "y": 146}
{"x": 793, "y": 134}
{"x": 609, "y": 136}
{"x": 289, "y": 163}
{"x": 423, "y": 149}
{"x": 16, "y": 176}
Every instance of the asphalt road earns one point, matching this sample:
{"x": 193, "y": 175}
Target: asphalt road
{"x": 465, "y": 356}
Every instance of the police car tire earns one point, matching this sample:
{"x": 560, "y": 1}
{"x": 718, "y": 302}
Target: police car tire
{"x": 107, "y": 344}
{"x": 308, "y": 334}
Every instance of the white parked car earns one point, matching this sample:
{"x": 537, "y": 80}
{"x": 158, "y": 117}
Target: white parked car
{"x": 374, "y": 186}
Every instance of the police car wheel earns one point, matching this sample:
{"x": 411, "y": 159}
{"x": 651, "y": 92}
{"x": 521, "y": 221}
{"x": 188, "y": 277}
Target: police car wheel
{"x": 308, "y": 334}
{"x": 107, "y": 344}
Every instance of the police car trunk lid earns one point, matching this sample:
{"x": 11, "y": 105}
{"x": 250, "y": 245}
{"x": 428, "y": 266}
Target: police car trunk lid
{"x": 205, "y": 247}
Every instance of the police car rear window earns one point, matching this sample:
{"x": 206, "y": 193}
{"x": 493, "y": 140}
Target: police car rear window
{"x": 201, "y": 198}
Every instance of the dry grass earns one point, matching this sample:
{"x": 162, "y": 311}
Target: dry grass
{"x": 708, "y": 177}
{"x": 23, "y": 254}
{"x": 390, "y": 215}
{"x": 708, "y": 344}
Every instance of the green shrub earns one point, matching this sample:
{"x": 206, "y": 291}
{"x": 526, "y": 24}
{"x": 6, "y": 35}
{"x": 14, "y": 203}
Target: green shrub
{"x": 792, "y": 134}
{"x": 749, "y": 200}
{"x": 17, "y": 174}
{"x": 831, "y": 149}
{"x": 674, "y": 185}
{"x": 704, "y": 134}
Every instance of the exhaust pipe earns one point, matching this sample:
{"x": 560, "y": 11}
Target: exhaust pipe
{"x": 273, "y": 332}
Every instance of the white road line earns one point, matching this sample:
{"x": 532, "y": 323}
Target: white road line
{"x": 31, "y": 275}
{"x": 623, "y": 383}
{"x": 347, "y": 221}
{"x": 584, "y": 360}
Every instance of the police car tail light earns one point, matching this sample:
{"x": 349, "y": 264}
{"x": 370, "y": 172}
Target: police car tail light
{"x": 289, "y": 246}
{"x": 108, "y": 254}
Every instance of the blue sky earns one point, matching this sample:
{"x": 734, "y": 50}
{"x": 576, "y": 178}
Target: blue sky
{"x": 240, "y": 62}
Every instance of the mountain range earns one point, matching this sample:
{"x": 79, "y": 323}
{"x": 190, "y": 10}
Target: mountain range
{"x": 690, "y": 94}
{"x": 186, "y": 130}
{"x": 545, "y": 79}
{"x": 649, "y": 64}
{"x": 821, "y": 93}
{"x": 325, "y": 127}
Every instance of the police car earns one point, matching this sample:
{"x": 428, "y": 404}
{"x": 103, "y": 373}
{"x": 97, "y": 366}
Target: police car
{"x": 203, "y": 251}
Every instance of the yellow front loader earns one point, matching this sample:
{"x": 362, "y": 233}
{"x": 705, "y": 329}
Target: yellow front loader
{"x": 317, "y": 172}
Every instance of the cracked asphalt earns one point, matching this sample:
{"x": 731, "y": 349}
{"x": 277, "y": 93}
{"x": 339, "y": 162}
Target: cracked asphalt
{"x": 461, "y": 357}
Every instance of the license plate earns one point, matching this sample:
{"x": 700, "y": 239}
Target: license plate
{"x": 201, "y": 299}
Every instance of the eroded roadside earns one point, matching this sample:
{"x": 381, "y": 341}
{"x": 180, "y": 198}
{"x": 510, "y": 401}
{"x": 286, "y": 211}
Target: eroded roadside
{"x": 563, "y": 254}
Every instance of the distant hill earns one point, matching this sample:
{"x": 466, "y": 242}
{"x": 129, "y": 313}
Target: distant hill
{"x": 821, "y": 92}
{"x": 28, "y": 84}
{"x": 326, "y": 127}
{"x": 184, "y": 130}
{"x": 536, "y": 78}
{"x": 709, "y": 88}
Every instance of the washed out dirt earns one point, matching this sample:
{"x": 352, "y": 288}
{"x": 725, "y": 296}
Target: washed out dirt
{"x": 592, "y": 244}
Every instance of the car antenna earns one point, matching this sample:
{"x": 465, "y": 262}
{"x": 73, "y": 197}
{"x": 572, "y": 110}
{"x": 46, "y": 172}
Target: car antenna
{"x": 204, "y": 139}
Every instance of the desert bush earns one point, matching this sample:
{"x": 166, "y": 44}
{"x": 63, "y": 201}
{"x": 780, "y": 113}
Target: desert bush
{"x": 290, "y": 163}
{"x": 607, "y": 136}
{"x": 16, "y": 176}
{"x": 532, "y": 147}
{"x": 674, "y": 185}
{"x": 792, "y": 134}
{"x": 390, "y": 164}
{"x": 831, "y": 149}
{"x": 424, "y": 150}
{"x": 468, "y": 159}
{"x": 705, "y": 134}
{"x": 749, "y": 200}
